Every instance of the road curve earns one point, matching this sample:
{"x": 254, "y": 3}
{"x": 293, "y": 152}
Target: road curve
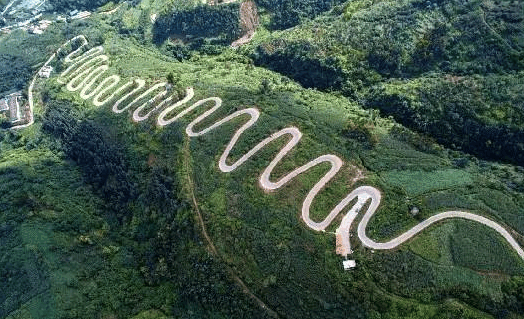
{"x": 87, "y": 69}
{"x": 30, "y": 95}
{"x": 374, "y": 195}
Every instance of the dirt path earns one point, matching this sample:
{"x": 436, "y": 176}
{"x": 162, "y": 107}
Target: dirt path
{"x": 111, "y": 11}
{"x": 209, "y": 241}
{"x": 30, "y": 95}
{"x": 243, "y": 40}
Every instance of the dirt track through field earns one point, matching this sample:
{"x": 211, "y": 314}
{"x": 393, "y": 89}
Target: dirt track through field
{"x": 86, "y": 69}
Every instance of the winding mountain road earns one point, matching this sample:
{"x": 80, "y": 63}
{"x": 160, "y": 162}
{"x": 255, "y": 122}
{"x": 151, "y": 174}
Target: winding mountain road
{"x": 86, "y": 71}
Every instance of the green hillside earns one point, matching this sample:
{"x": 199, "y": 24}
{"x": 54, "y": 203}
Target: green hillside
{"x": 105, "y": 217}
{"x": 448, "y": 69}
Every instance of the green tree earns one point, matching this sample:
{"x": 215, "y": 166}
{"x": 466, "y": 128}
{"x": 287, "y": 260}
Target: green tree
{"x": 265, "y": 86}
{"x": 173, "y": 78}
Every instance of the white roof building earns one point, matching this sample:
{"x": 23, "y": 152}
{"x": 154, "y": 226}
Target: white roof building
{"x": 349, "y": 264}
{"x": 35, "y": 30}
{"x": 45, "y": 23}
{"x": 45, "y": 72}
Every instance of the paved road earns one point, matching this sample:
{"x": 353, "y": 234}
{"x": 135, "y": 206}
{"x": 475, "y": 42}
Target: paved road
{"x": 364, "y": 193}
{"x": 86, "y": 70}
{"x": 374, "y": 195}
{"x": 30, "y": 95}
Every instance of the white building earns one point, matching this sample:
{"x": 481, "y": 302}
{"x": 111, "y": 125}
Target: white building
{"x": 45, "y": 72}
{"x": 349, "y": 264}
{"x": 44, "y": 24}
{"x": 12, "y": 101}
{"x": 35, "y": 30}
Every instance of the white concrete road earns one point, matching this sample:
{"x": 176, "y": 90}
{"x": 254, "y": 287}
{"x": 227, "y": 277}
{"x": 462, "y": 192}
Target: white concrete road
{"x": 87, "y": 69}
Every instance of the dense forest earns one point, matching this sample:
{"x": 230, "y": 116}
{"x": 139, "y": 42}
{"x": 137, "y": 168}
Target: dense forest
{"x": 15, "y": 72}
{"x": 201, "y": 21}
{"x": 99, "y": 158}
{"x": 289, "y": 13}
{"x": 68, "y": 5}
{"x": 151, "y": 214}
{"x": 452, "y": 114}
{"x": 453, "y": 38}
{"x": 311, "y": 72}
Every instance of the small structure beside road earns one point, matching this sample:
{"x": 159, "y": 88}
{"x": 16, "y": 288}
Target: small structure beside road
{"x": 45, "y": 72}
{"x": 349, "y": 264}
{"x": 10, "y": 106}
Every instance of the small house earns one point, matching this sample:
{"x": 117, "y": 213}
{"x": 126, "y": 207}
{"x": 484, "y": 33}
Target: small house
{"x": 349, "y": 264}
{"x": 35, "y": 30}
{"x": 45, "y": 72}
{"x": 44, "y": 24}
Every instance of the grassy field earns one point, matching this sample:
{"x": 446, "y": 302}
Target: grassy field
{"x": 420, "y": 182}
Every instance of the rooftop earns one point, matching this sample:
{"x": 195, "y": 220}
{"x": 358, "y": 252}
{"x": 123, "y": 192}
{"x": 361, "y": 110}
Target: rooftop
{"x": 349, "y": 264}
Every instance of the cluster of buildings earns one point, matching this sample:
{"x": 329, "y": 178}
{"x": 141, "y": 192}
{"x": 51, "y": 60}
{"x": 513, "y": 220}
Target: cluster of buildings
{"x": 39, "y": 27}
{"x": 27, "y": 15}
{"x": 11, "y": 107}
{"x": 21, "y": 14}
{"x": 14, "y": 106}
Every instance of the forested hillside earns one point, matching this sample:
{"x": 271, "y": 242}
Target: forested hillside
{"x": 289, "y": 13}
{"x": 118, "y": 203}
{"x": 448, "y": 69}
{"x": 70, "y": 5}
{"x": 200, "y": 21}
{"x": 14, "y": 71}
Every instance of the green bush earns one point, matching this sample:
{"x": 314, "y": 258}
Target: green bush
{"x": 15, "y": 71}
{"x": 289, "y": 13}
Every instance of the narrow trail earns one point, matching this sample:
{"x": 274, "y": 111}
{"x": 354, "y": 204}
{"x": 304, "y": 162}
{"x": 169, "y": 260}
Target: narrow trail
{"x": 243, "y": 40}
{"x": 85, "y": 75}
{"x": 7, "y": 7}
{"x": 211, "y": 245}
{"x": 111, "y": 11}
